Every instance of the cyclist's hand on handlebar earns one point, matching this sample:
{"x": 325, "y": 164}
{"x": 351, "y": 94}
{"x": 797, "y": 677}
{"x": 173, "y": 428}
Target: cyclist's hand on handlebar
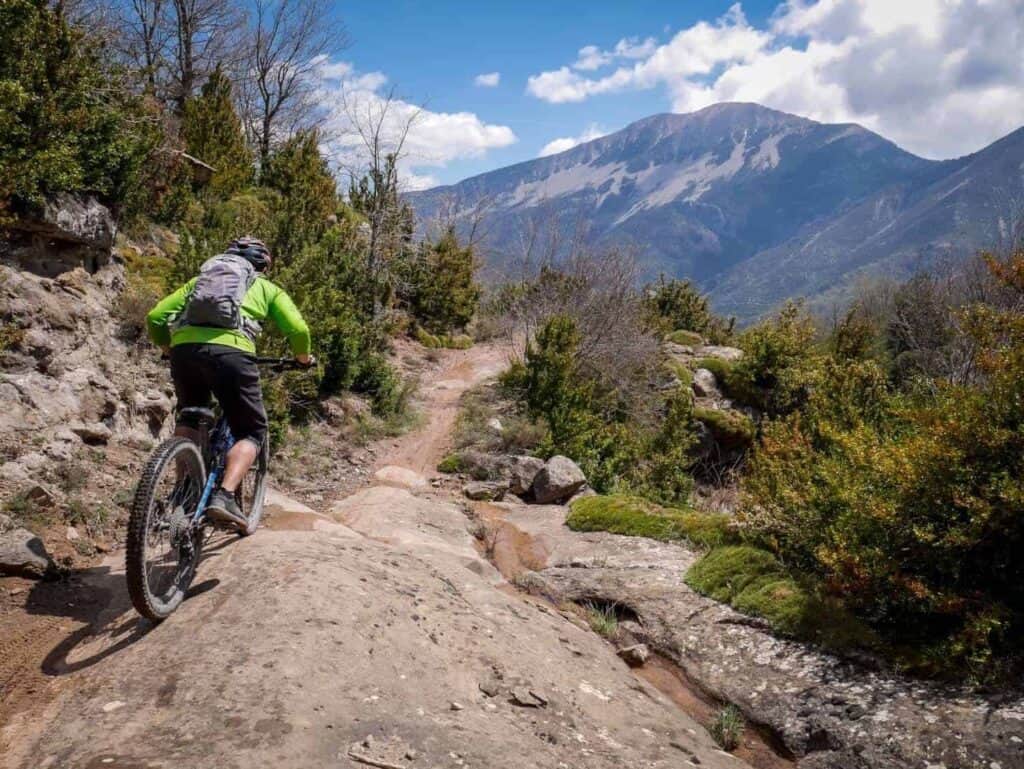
{"x": 308, "y": 361}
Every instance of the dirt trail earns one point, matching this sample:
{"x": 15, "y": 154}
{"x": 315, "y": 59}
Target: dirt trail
{"x": 423, "y": 448}
{"x": 375, "y": 636}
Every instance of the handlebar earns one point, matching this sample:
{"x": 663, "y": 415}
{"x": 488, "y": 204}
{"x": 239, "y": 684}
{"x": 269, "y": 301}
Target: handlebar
{"x": 285, "y": 364}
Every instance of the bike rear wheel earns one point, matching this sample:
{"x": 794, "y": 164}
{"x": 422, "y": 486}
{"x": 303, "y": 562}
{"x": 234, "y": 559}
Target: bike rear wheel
{"x": 162, "y": 546}
{"x": 252, "y": 491}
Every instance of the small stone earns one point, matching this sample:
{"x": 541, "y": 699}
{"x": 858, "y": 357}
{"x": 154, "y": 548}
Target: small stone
{"x": 490, "y": 687}
{"x": 72, "y": 534}
{"x": 110, "y": 707}
{"x": 456, "y": 706}
{"x": 526, "y": 698}
{"x": 495, "y": 424}
{"x": 635, "y": 655}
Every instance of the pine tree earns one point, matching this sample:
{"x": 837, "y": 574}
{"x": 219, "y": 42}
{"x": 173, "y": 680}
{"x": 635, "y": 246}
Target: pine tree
{"x": 300, "y": 174}
{"x": 446, "y": 295}
{"x": 213, "y": 133}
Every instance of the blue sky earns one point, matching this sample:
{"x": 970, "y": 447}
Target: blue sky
{"x": 939, "y": 77}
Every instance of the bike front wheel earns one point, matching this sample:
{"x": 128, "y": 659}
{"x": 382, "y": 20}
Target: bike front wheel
{"x": 162, "y": 545}
{"x": 252, "y": 491}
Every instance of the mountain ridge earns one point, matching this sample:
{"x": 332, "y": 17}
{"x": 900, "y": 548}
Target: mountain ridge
{"x": 754, "y": 204}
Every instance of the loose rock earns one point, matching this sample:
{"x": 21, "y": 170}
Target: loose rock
{"x": 22, "y": 552}
{"x": 485, "y": 490}
{"x": 522, "y": 472}
{"x": 635, "y": 655}
{"x": 558, "y": 480}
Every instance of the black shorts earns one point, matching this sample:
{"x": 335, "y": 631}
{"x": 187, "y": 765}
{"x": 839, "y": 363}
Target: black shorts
{"x": 199, "y": 370}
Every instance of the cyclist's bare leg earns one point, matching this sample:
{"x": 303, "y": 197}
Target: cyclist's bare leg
{"x": 239, "y": 460}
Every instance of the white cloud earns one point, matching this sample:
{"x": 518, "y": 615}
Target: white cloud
{"x": 487, "y": 80}
{"x": 434, "y": 139}
{"x": 590, "y": 57}
{"x": 564, "y": 143}
{"x": 939, "y": 77}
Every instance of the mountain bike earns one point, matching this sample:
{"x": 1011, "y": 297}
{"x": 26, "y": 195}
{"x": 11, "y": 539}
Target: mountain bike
{"x": 168, "y": 523}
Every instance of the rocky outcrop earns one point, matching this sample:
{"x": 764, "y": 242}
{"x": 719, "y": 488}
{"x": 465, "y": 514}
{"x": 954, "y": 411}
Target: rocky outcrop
{"x": 558, "y": 480}
{"x": 68, "y": 232}
{"x": 829, "y": 712}
{"x": 80, "y": 405}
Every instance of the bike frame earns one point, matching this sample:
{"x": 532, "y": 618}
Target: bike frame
{"x": 220, "y": 441}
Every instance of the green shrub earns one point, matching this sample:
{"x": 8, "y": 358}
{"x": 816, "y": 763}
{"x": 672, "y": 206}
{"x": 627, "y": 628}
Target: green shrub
{"x": 687, "y": 338}
{"x": 451, "y": 464}
{"x": 637, "y": 517}
{"x": 68, "y": 124}
{"x": 754, "y": 582}
{"x": 677, "y": 304}
{"x": 779, "y": 357}
{"x": 444, "y": 293}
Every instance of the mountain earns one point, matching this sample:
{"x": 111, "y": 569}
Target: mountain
{"x": 753, "y": 204}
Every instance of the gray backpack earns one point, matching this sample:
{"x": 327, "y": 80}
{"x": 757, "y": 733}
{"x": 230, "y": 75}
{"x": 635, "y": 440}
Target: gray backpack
{"x": 216, "y": 298}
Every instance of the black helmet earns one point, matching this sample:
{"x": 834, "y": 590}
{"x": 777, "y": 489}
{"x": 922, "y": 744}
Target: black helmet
{"x": 254, "y": 250}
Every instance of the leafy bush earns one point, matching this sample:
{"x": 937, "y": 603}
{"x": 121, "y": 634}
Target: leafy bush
{"x": 638, "y": 517}
{"x": 910, "y": 503}
{"x": 617, "y": 445}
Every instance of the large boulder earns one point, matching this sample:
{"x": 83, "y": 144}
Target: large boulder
{"x": 558, "y": 480}
{"x": 522, "y": 471}
{"x": 22, "y": 552}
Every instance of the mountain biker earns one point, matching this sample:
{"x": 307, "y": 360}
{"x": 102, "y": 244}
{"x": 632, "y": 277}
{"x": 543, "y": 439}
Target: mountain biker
{"x": 209, "y": 327}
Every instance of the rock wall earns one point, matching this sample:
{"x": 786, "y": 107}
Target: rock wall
{"x": 80, "y": 404}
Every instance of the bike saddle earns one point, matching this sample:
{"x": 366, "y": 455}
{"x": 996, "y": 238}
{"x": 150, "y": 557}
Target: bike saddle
{"x": 195, "y": 415}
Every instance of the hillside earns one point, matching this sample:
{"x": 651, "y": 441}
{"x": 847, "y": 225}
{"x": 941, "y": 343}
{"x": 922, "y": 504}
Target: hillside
{"x": 754, "y": 204}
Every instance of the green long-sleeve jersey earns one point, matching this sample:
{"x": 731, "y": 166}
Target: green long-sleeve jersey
{"x": 263, "y": 300}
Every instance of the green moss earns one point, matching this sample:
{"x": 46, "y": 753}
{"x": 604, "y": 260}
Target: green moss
{"x": 754, "y": 582}
{"x": 681, "y": 371}
{"x": 731, "y": 429}
{"x": 450, "y": 464}
{"x": 636, "y": 517}
{"x": 688, "y": 338}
